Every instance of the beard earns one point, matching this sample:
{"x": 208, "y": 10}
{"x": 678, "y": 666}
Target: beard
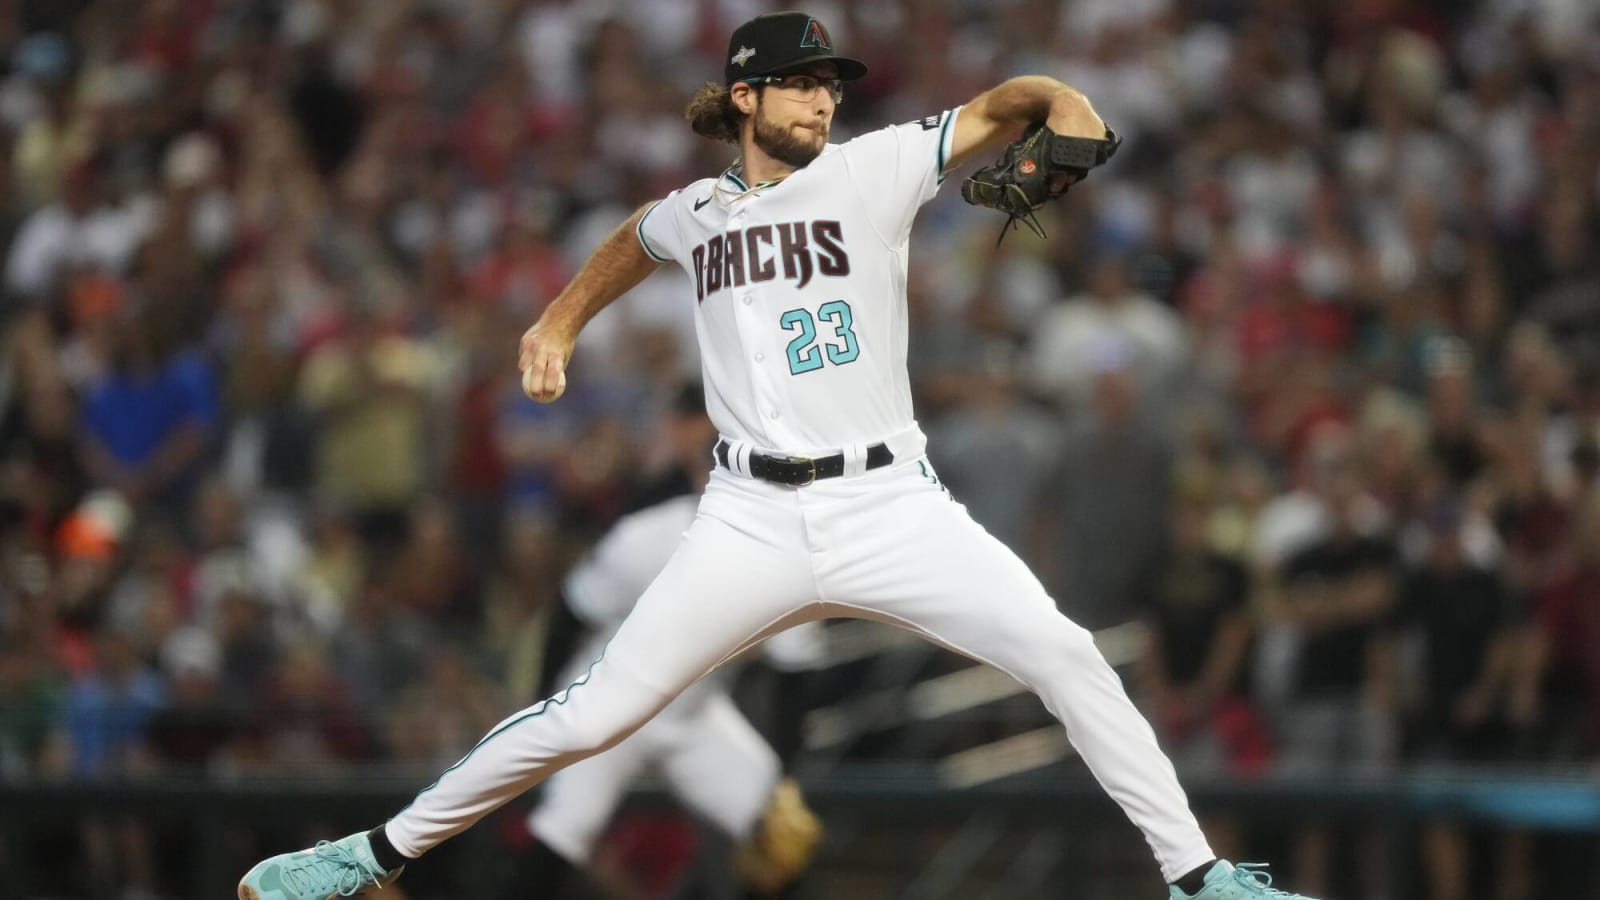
{"x": 780, "y": 143}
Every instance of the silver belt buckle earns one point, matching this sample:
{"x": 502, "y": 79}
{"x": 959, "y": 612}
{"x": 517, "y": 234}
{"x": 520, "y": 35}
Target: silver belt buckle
{"x": 811, "y": 468}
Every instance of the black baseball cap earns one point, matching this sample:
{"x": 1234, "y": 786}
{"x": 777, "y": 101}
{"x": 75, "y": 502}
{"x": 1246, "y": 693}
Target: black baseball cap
{"x": 780, "y": 41}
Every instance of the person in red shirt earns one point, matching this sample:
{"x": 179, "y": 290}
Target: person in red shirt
{"x": 1567, "y": 645}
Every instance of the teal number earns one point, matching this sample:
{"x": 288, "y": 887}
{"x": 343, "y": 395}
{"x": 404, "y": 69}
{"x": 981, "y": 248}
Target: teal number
{"x": 838, "y": 312}
{"x": 803, "y": 353}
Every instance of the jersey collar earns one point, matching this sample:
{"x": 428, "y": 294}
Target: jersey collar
{"x": 732, "y": 175}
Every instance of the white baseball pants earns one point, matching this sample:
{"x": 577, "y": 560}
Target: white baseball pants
{"x": 888, "y": 545}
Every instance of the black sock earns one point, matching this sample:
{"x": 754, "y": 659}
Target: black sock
{"x": 1195, "y": 882}
{"x": 383, "y": 851}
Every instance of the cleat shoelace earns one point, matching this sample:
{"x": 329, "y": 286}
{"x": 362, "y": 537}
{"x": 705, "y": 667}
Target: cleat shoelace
{"x": 1253, "y": 876}
{"x": 346, "y": 875}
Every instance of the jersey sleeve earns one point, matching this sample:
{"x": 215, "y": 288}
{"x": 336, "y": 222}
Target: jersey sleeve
{"x": 895, "y": 170}
{"x": 658, "y": 229}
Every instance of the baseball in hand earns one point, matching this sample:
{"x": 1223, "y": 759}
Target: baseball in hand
{"x": 527, "y": 387}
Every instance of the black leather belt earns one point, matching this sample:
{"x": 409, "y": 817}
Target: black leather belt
{"x": 799, "y": 471}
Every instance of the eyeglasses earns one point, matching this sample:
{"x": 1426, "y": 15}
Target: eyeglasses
{"x": 803, "y": 87}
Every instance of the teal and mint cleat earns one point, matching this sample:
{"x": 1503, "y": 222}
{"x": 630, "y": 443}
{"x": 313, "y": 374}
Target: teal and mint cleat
{"x": 1245, "y": 881}
{"x": 331, "y": 869}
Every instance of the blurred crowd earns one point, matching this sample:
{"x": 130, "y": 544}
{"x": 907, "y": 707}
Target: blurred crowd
{"x": 1307, "y": 379}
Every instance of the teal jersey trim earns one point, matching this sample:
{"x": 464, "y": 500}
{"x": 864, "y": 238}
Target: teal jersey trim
{"x": 639, "y": 230}
{"x": 538, "y": 709}
{"x": 944, "y": 140}
{"x": 933, "y": 478}
{"x": 737, "y": 181}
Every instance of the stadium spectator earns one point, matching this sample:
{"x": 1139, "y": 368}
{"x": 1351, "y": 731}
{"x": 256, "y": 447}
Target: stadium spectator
{"x": 1110, "y": 486}
{"x": 1337, "y": 596}
{"x": 1568, "y": 610}
{"x": 1468, "y": 628}
{"x": 195, "y": 730}
{"x": 996, "y": 450}
{"x": 148, "y": 425}
{"x": 30, "y": 698}
{"x": 1192, "y": 676}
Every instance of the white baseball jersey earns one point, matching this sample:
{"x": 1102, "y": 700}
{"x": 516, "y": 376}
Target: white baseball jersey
{"x": 799, "y": 289}
{"x": 800, "y": 304}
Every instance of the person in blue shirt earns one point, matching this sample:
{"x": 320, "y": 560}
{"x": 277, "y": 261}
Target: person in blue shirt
{"x": 149, "y": 422}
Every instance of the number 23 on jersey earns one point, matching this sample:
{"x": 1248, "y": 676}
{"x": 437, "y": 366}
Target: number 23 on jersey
{"x": 805, "y": 353}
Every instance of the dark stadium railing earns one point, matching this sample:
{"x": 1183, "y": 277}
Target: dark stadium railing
{"x": 1567, "y": 802}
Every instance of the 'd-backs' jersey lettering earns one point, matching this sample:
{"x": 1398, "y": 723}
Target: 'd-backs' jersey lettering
{"x": 735, "y": 258}
{"x": 800, "y": 288}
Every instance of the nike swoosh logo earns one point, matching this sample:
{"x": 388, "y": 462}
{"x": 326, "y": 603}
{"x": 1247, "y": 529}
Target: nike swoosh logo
{"x": 700, "y": 203}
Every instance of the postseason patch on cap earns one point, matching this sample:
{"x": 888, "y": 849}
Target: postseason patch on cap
{"x": 743, "y": 56}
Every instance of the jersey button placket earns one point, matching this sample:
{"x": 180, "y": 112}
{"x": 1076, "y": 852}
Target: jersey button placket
{"x": 768, "y": 392}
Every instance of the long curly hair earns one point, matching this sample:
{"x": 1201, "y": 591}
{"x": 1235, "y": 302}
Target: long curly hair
{"x": 712, "y": 114}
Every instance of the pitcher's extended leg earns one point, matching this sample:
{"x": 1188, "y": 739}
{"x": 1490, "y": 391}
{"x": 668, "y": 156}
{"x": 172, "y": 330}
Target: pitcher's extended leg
{"x": 939, "y": 573}
{"x": 724, "y": 586}
{"x": 578, "y": 802}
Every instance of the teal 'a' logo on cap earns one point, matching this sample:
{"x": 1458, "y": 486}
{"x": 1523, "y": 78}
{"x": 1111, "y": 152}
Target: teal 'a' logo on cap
{"x": 815, "y": 37}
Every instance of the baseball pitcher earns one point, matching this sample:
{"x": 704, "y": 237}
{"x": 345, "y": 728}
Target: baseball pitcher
{"x": 821, "y": 502}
